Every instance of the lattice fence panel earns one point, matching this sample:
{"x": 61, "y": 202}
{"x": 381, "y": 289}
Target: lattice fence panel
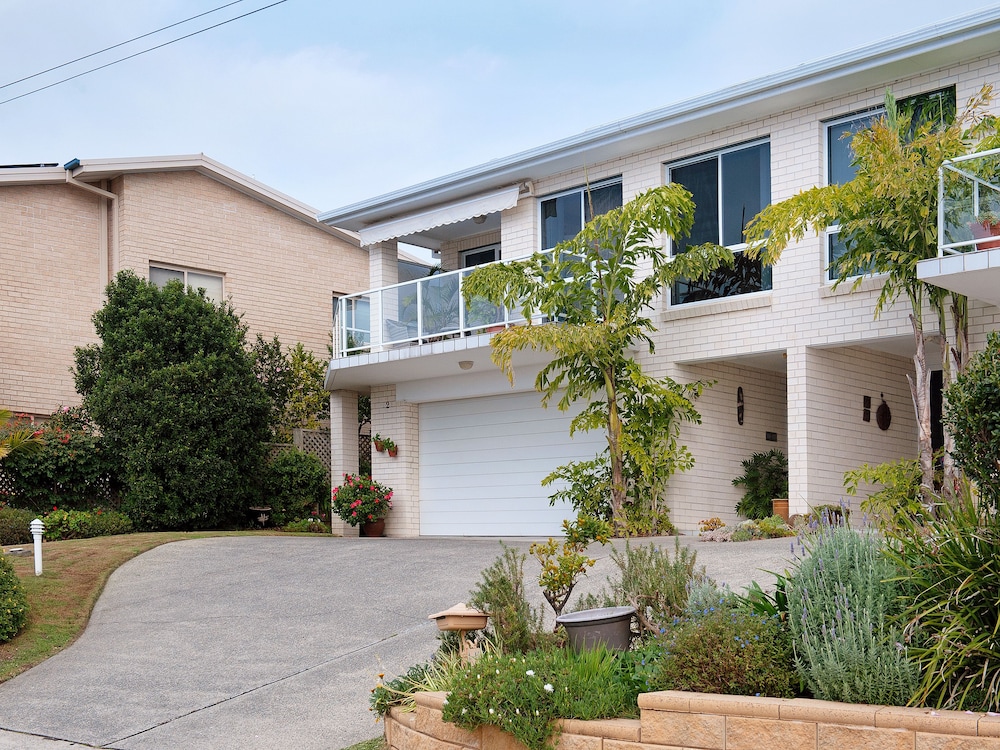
{"x": 316, "y": 442}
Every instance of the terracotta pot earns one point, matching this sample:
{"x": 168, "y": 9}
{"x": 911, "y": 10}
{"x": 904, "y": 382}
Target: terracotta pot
{"x": 379, "y": 446}
{"x": 393, "y": 452}
{"x": 373, "y": 528}
{"x": 779, "y": 507}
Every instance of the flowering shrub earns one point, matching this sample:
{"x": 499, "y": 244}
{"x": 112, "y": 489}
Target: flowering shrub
{"x": 72, "y": 469}
{"x": 523, "y": 695}
{"x": 360, "y": 499}
{"x": 710, "y": 524}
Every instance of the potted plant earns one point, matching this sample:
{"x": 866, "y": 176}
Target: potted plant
{"x": 391, "y": 448}
{"x": 362, "y": 500}
{"x": 379, "y": 442}
{"x": 765, "y": 478}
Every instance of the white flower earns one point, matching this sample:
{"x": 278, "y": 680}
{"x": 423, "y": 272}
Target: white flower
{"x": 548, "y": 687}
{"x": 530, "y": 673}
{"x": 492, "y": 711}
{"x": 445, "y": 702}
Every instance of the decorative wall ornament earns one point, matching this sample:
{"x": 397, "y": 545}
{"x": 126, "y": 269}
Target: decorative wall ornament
{"x": 739, "y": 405}
{"x": 883, "y": 415}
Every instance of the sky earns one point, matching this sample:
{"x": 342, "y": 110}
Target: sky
{"x": 336, "y": 102}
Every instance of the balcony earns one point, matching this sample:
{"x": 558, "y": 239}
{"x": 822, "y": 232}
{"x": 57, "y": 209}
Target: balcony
{"x": 413, "y": 313}
{"x": 968, "y": 259}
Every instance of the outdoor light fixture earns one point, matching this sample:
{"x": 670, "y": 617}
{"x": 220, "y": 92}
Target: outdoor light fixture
{"x": 465, "y": 364}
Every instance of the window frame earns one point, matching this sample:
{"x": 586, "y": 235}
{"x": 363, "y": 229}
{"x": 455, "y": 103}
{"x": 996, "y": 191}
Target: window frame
{"x": 737, "y": 248}
{"x": 464, "y": 254}
{"x": 186, "y": 271}
{"x": 580, "y": 190}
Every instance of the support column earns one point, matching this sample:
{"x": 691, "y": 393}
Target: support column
{"x": 343, "y": 447}
{"x": 383, "y": 271}
{"x": 401, "y": 422}
{"x": 797, "y": 371}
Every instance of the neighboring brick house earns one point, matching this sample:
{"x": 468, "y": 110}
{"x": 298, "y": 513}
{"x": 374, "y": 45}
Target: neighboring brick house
{"x": 66, "y": 231}
{"x": 801, "y": 358}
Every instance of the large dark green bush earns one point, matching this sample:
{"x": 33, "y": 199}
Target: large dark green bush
{"x": 296, "y": 486}
{"x": 72, "y": 469}
{"x": 952, "y": 570}
{"x": 172, "y": 387}
{"x": 13, "y": 602}
{"x": 972, "y": 414}
{"x": 15, "y": 525}
{"x": 842, "y": 601}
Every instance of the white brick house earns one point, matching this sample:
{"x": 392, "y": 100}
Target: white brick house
{"x": 806, "y": 358}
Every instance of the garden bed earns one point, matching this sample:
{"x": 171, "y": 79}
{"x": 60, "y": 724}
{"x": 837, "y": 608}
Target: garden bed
{"x": 678, "y": 720}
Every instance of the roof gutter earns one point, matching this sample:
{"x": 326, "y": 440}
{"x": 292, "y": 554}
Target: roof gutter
{"x": 109, "y": 256}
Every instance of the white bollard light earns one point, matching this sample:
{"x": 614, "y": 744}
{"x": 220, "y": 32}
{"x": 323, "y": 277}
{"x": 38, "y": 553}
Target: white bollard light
{"x": 37, "y": 529}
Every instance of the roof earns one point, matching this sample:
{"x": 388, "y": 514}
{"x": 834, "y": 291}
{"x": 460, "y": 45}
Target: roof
{"x": 943, "y": 44}
{"x": 94, "y": 170}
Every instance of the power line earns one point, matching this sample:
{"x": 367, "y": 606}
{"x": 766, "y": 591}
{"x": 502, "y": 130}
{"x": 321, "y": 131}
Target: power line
{"x": 142, "y": 52}
{"x": 116, "y": 46}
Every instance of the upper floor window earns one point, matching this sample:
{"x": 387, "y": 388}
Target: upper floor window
{"x": 729, "y": 188}
{"x": 840, "y": 168}
{"x": 564, "y": 215}
{"x": 210, "y": 282}
{"x": 480, "y": 255}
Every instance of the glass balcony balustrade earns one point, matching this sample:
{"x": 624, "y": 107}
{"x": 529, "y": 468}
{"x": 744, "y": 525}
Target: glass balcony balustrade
{"x": 969, "y": 204}
{"x": 414, "y": 312}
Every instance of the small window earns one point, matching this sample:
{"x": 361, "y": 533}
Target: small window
{"x": 210, "y": 282}
{"x": 564, "y": 215}
{"x": 480, "y": 255}
{"x": 729, "y": 188}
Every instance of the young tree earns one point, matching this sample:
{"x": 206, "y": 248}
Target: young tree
{"x": 172, "y": 387}
{"x": 888, "y": 221}
{"x": 596, "y": 288}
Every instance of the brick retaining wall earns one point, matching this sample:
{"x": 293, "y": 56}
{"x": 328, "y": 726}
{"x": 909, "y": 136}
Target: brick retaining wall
{"x": 674, "y": 720}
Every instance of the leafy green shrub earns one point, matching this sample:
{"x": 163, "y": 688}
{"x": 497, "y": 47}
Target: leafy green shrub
{"x": 71, "y": 469}
{"x": 772, "y": 527}
{"x": 563, "y": 563}
{"x": 726, "y": 650}
{"x": 705, "y": 596}
{"x": 172, "y": 387}
{"x": 312, "y": 525}
{"x": 649, "y": 580}
{"x": 84, "y": 524}
{"x": 514, "y": 625}
{"x": 523, "y": 695}
{"x": 898, "y": 495}
{"x": 973, "y": 418}
{"x": 13, "y": 602}
{"x": 765, "y": 477}
{"x": 952, "y": 567}
{"x": 15, "y": 525}
{"x": 842, "y": 599}
{"x": 296, "y": 486}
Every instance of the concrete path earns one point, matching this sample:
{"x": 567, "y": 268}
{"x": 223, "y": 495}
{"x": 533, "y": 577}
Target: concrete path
{"x": 263, "y": 642}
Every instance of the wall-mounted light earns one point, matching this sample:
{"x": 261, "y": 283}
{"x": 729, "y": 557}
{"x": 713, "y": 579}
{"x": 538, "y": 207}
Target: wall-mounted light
{"x": 465, "y": 364}
{"x": 478, "y": 219}
{"x": 739, "y": 405}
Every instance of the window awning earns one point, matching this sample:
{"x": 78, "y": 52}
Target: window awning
{"x": 479, "y": 205}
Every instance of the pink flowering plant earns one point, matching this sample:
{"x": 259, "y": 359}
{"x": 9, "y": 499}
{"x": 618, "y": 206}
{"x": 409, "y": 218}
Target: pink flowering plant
{"x": 360, "y": 499}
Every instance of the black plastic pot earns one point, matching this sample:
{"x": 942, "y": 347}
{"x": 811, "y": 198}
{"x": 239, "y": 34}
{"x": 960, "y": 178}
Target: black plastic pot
{"x": 610, "y": 626}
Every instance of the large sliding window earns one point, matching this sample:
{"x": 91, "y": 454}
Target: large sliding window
{"x": 935, "y": 106}
{"x": 729, "y": 188}
{"x": 564, "y": 214}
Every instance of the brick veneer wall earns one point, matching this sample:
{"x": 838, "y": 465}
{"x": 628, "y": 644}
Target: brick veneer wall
{"x": 696, "y": 721}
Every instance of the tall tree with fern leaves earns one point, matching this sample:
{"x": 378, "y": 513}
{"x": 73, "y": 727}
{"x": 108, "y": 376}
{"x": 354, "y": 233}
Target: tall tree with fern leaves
{"x": 888, "y": 221}
{"x": 597, "y": 290}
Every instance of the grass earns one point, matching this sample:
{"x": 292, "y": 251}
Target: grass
{"x": 73, "y": 575}
{"x": 376, "y": 744}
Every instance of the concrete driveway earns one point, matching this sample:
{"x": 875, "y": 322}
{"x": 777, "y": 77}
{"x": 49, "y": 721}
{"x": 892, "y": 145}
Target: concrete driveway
{"x": 263, "y": 642}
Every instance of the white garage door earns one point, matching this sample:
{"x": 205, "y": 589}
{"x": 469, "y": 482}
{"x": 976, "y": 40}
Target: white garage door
{"x": 482, "y": 461}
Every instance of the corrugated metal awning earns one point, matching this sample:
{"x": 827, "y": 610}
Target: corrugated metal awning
{"x": 479, "y": 205}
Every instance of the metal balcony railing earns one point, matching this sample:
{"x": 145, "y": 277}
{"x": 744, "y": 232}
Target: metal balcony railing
{"x": 414, "y": 312}
{"x": 969, "y": 203}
